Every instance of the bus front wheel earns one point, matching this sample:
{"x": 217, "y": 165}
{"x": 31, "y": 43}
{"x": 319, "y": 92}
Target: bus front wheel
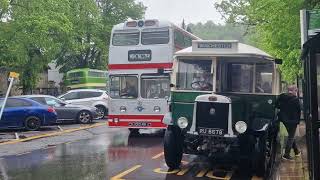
{"x": 173, "y": 147}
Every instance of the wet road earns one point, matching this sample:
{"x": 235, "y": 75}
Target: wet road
{"x": 113, "y": 155}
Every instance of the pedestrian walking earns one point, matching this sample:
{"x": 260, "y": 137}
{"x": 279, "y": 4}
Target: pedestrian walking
{"x": 289, "y": 114}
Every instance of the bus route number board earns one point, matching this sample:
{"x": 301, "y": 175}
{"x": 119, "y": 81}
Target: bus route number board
{"x": 139, "y": 55}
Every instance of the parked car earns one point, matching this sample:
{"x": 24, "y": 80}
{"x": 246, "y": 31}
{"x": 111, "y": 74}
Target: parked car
{"x": 26, "y": 113}
{"x": 88, "y": 97}
{"x": 66, "y": 111}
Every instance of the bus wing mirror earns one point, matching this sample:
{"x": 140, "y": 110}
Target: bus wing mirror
{"x": 278, "y": 61}
{"x": 172, "y": 85}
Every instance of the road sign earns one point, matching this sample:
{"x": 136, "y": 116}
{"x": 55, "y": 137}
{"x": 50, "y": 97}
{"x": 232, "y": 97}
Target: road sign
{"x": 14, "y": 75}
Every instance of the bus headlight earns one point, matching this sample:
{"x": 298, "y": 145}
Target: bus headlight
{"x": 241, "y": 127}
{"x": 156, "y": 109}
{"x": 182, "y": 122}
{"x": 123, "y": 109}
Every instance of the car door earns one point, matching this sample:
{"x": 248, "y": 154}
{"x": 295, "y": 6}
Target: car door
{"x": 86, "y": 98}
{"x": 15, "y": 113}
{"x": 64, "y": 112}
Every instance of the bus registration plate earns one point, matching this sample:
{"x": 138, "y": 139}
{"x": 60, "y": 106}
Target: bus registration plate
{"x": 139, "y": 124}
{"x": 210, "y": 131}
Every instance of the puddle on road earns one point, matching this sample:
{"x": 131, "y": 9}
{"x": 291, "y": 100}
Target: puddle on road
{"x": 116, "y": 154}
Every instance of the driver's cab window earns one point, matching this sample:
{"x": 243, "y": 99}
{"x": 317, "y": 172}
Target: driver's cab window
{"x": 124, "y": 86}
{"x": 195, "y": 75}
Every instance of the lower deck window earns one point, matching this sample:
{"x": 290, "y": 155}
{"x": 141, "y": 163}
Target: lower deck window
{"x": 155, "y": 87}
{"x": 123, "y": 86}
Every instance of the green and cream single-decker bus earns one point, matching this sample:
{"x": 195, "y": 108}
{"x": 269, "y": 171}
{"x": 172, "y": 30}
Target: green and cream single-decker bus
{"x": 222, "y": 105}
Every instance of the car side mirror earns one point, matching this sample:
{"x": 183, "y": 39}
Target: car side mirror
{"x": 172, "y": 85}
{"x": 278, "y": 61}
{"x": 63, "y": 99}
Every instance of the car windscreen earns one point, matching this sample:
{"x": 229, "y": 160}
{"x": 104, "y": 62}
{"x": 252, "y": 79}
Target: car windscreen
{"x": 125, "y": 86}
{"x": 155, "y": 36}
{"x": 126, "y": 39}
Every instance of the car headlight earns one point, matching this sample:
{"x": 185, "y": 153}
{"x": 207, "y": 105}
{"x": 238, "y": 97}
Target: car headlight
{"x": 182, "y": 122}
{"x": 123, "y": 109}
{"x": 241, "y": 127}
{"x": 156, "y": 109}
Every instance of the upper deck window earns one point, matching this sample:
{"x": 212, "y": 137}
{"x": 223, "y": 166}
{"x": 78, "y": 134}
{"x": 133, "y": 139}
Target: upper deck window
{"x": 195, "y": 75}
{"x": 76, "y": 74}
{"x": 97, "y": 74}
{"x": 125, "y": 39}
{"x": 155, "y": 36}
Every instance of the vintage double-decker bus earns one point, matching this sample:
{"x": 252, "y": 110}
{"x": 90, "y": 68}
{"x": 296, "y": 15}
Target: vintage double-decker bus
{"x": 223, "y": 105}
{"x": 140, "y": 59}
{"x": 86, "y": 78}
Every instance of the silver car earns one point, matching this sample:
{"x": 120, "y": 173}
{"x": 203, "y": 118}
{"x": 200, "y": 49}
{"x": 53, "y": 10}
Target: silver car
{"x": 88, "y": 97}
{"x": 66, "y": 111}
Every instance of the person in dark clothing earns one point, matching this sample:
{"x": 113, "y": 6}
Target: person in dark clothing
{"x": 289, "y": 114}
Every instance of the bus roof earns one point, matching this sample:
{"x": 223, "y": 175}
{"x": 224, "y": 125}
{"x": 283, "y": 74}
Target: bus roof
{"x": 222, "y": 48}
{"x": 158, "y": 24}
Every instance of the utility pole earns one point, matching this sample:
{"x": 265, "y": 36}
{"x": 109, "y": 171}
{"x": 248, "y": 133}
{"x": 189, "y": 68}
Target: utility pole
{"x": 11, "y": 78}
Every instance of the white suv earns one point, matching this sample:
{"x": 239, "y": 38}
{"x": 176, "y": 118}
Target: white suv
{"x": 88, "y": 97}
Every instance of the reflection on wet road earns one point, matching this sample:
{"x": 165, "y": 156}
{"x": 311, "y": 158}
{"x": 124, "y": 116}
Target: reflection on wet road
{"x": 114, "y": 156}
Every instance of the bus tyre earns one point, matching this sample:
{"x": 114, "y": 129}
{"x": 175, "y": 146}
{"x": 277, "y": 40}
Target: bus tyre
{"x": 84, "y": 117}
{"x": 173, "y": 147}
{"x": 266, "y": 156}
{"x": 32, "y": 123}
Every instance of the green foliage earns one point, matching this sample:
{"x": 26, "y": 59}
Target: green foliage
{"x": 74, "y": 33}
{"x": 210, "y": 30}
{"x": 87, "y": 46}
{"x": 29, "y": 36}
{"x": 277, "y": 28}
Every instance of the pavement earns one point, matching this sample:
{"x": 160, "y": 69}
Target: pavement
{"x": 100, "y": 152}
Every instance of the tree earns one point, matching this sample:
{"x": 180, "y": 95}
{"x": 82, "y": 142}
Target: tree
{"x": 93, "y": 21}
{"x": 210, "y": 30}
{"x": 30, "y": 32}
{"x": 276, "y": 26}
{"x": 74, "y": 33}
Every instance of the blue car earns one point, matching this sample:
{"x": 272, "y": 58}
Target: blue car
{"x": 26, "y": 113}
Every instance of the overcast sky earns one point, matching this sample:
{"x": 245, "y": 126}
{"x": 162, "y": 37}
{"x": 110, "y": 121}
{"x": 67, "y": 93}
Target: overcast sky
{"x": 192, "y": 11}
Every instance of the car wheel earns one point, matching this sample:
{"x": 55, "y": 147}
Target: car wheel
{"x": 173, "y": 147}
{"x": 102, "y": 111}
{"x": 267, "y": 155}
{"x": 32, "y": 123}
{"x": 84, "y": 117}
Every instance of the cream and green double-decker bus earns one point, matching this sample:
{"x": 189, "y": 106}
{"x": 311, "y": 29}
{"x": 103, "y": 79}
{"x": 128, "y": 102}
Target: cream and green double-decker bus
{"x": 222, "y": 105}
{"x": 86, "y": 78}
